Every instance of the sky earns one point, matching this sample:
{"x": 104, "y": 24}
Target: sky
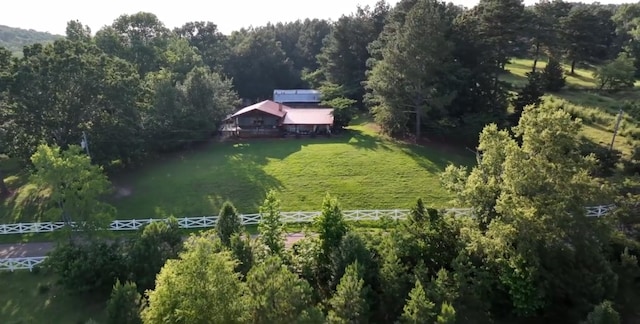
{"x": 52, "y": 15}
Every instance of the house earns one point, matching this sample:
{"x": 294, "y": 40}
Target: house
{"x": 270, "y": 118}
{"x": 298, "y": 98}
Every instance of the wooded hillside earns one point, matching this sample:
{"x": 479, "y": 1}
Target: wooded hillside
{"x": 14, "y": 39}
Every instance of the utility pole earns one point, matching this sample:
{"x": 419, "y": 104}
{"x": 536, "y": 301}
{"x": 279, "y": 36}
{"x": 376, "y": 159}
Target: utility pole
{"x": 615, "y": 130}
{"x": 85, "y": 143}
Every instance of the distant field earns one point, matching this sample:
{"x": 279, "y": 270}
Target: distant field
{"x": 517, "y": 69}
{"x": 362, "y": 169}
{"x": 597, "y": 110}
{"x": 27, "y": 297}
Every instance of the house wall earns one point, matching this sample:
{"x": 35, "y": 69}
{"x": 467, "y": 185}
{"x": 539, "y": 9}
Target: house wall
{"x": 257, "y": 119}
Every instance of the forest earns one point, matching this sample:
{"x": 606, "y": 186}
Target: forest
{"x": 422, "y": 69}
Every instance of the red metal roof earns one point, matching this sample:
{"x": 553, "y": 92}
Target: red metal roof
{"x": 292, "y": 116}
{"x": 268, "y": 106}
{"x": 307, "y": 116}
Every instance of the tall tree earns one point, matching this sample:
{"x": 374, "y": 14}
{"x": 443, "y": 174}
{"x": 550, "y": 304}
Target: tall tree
{"x": 78, "y": 32}
{"x": 199, "y": 287}
{"x": 275, "y": 294}
{"x": 76, "y": 187}
{"x": 139, "y": 38}
{"x": 343, "y": 60}
{"x": 501, "y": 26}
{"x": 530, "y": 194}
{"x": 414, "y": 68}
{"x": 271, "y": 227}
{"x": 86, "y": 90}
{"x": 228, "y": 224}
{"x": 258, "y": 64}
{"x": 209, "y": 41}
{"x": 349, "y": 304}
{"x": 419, "y": 309}
{"x": 587, "y": 33}
{"x": 544, "y": 27}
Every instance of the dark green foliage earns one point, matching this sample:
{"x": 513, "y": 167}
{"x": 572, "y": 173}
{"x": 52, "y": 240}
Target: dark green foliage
{"x": 275, "y": 294}
{"x": 353, "y": 249}
{"x": 553, "y": 78}
{"x": 240, "y": 246}
{"x": 607, "y": 159}
{"x": 531, "y": 94}
{"x": 603, "y": 314}
{"x": 88, "y": 268}
{"x": 124, "y": 305}
{"x": 349, "y": 303}
{"x": 271, "y": 228}
{"x": 159, "y": 242}
{"x": 331, "y": 226}
{"x": 229, "y": 223}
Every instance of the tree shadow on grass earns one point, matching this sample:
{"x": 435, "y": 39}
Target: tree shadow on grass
{"x": 434, "y": 158}
{"x": 361, "y": 140}
{"x": 199, "y": 183}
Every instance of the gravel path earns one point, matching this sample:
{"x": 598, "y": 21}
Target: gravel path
{"x": 25, "y": 250}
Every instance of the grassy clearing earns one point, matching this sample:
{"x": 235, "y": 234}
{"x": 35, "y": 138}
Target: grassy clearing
{"x": 597, "y": 110}
{"x": 364, "y": 170}
{"x": 27, "y": 297}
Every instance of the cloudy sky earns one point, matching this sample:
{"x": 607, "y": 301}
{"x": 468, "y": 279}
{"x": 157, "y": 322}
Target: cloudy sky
{"x": 52, "y": 15}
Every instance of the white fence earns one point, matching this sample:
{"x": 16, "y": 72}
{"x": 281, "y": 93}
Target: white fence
{"x": 210, "y": 221}
{"x": 20, "y": 263}
{"x": 252, "y": 219}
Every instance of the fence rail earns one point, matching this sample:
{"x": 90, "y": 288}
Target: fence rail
{"x": 20, "y": 263}
{"x": 12, "y": 264}
{"x": 253, "y": 219}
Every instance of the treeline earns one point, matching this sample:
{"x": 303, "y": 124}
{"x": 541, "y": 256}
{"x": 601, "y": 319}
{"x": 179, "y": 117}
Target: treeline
{"x": 529, "y": 254}
{"x": 137, "y": 88}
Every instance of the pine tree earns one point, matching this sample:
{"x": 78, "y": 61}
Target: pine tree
{"x": 229, "y": 223}
{"x": 553, "y": 78}
{"x": 529, "y": 95}
{"x": 271, "y": 228}
{"x": 349, "y": 303}
{"x": 418, "y": 309}
{"x": 447, "y": 314}
{"x": 124, "y": 305}
{"x": 331, "y": 226}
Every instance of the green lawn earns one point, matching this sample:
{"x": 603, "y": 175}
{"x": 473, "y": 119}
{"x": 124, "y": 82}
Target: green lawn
{"x": 364, "y": 170}
{"x": 27, "y": 297}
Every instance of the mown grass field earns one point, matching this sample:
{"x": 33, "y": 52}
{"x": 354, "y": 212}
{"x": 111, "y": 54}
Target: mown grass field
{"x": 362, "y": 169}
{"x": 598, "y": 110}
{"x": 27, "y": 297}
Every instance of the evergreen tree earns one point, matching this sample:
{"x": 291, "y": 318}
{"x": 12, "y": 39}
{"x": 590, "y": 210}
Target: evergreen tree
{"x": 331, "y": 226}
{"x": 447, "y": 314}
{"x": 124, "y": 305}
{"x": 418, "y": 309}
{"x": 229, "y": 223}
{"x": 275, "y": 294}
{"x": 553, "y": 78}
{"x": 349, "y": 304}
{"x": 529, "y": 95}
{"x": 271, "y": 228}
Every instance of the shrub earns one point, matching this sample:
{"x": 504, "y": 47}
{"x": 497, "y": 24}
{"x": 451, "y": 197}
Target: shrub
{"x": 87, "y": 268}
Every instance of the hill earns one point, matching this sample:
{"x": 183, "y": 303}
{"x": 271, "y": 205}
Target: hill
{"x": 14, "y": 39}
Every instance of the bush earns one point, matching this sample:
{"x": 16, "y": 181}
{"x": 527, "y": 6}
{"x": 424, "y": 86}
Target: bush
{"x": 617, "y": 74}
{"x": 90, "y": 268}
{"x": 553, "y": 78}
